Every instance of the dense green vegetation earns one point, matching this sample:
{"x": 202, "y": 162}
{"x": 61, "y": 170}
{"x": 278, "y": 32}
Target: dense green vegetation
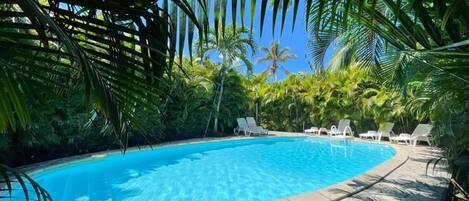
{"x": 318, "y": 99}
{"x": 324, "y": 97}
{"x": 181, "y": 112}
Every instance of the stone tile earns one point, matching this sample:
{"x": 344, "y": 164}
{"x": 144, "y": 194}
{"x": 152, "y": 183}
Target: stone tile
{"x": 310, "y": 197}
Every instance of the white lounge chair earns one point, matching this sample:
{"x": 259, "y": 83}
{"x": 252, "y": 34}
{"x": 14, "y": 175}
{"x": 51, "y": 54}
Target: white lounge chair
{"x": 254, "y": 127}
{"x": 242, "y": 127}
{"x": 313, "y": 130}
{"x": 384, "y": 130}
{"x": 342, "y": 130}
{"x": 421, "y": 133}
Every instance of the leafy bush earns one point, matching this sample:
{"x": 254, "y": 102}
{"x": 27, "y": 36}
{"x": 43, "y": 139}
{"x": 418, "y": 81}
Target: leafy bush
{"x": 325, "y": 97}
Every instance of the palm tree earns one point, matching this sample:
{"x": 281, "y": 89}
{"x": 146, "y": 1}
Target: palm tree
{"x": 276, "y": 57}
{"x": 420, "y": 42}
{"x": 231, "y": 47}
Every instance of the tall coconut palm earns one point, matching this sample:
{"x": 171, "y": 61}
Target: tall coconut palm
{"x": 231, "y": 47}
{"x": 276, "y": 57}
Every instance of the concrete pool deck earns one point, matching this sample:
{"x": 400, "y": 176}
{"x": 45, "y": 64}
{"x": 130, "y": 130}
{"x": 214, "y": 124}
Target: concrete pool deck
{"x": 410, "y": 181}
{"x": 402, "y": 177}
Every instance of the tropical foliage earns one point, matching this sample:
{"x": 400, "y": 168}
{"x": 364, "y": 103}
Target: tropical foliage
{"x": 418, "y": 44}
{"x": 322, "y": 98}
{"x": 119, "y": 50}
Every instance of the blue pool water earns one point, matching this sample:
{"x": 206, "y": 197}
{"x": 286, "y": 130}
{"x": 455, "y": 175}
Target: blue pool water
{"x": 249, "y": 169}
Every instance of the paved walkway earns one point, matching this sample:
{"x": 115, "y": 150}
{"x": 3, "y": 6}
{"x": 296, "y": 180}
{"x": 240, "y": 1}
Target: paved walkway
{"x": 410, "y": 181}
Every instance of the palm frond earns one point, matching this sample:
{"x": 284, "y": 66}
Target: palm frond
{"x": 318, "y": 46}
{"x": 11, "y": 178}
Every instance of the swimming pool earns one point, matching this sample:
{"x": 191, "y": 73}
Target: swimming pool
{"x": 249, "y": 169}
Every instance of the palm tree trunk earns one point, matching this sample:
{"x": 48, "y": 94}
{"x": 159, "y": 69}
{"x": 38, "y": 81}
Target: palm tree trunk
{"x": 296, "y": 115}
{"x": 220, "y": 94}
{"x": 257, "y": 111}
{"x": 208, "y": 122}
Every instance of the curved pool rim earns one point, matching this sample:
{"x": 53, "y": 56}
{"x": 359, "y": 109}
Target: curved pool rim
{"x": 378, "y": 172}
{"x": 37, "y": 168}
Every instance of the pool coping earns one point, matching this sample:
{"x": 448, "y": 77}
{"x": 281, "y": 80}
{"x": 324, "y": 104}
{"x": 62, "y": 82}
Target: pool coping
{"x": 338, "y": 191}
{"x": 36, "y": 168}
{"x": 359, "y": 183}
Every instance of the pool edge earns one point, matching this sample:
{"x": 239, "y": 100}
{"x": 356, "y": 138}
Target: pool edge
{"x": 335, "y": 192}
{"x": 36, "y": 168}
{"x": 359, "y": 183}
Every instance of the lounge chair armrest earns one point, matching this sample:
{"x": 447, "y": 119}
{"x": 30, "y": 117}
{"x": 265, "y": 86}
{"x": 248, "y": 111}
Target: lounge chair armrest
{"x": 348, "y": 128}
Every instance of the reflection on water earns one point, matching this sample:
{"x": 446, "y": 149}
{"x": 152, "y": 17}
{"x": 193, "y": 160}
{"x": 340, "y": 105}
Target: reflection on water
{"x": 340, "y": 146}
